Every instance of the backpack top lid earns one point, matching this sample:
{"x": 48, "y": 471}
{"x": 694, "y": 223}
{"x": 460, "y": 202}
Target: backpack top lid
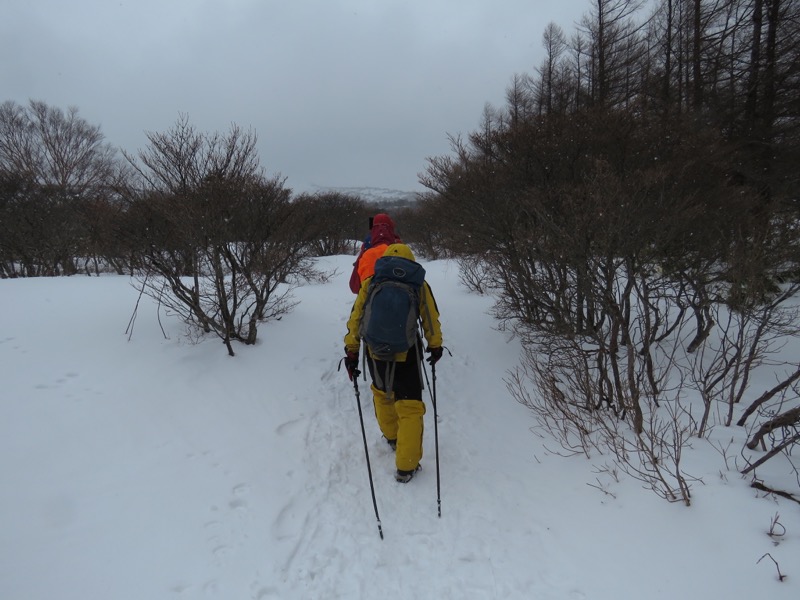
{"x": 400, "y": 250}
{"x": 398, "y": 264}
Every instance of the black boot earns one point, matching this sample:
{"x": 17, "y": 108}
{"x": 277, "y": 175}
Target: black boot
{"x": 405, "y": 476}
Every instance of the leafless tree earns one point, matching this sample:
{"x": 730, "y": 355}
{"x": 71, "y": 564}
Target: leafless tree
{"x": 555, "y": 44}
{"x": 334, "y": 220}
{"x": 56, "y": 168}
{"x": 53, "y": 148}
{"x": 615, "y": 44}
{"x": 217, "y": 241}
{"x": 629, "y": 234}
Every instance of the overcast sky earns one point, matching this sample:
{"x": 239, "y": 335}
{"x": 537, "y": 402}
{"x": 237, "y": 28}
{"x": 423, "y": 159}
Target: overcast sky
{"x": 340, "y": 92}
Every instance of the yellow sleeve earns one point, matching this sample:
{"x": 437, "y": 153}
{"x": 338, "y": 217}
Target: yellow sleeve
{"x": 351, "y": 340}
{"x": 430, "y": 317}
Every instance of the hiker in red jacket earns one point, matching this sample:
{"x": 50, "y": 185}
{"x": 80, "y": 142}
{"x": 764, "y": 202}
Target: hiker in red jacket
{"x": 380, "y": 237}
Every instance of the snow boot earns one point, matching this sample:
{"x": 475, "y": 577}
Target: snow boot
{"x": 405, "y": 476}
{"x": 392, "y": 444}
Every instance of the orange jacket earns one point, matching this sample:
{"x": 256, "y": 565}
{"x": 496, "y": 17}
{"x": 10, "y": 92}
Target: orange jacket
{"x": 366, "y": 264}
{"x": 382, "y": 234}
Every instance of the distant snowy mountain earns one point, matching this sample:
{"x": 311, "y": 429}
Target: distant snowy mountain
{"x": 383, "y": 196}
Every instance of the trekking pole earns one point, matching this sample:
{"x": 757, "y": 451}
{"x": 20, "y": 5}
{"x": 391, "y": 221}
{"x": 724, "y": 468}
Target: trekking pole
{"x": 436, "y": 441}
{"x": 432, "y": 390}
{"x": 366, "y": 451}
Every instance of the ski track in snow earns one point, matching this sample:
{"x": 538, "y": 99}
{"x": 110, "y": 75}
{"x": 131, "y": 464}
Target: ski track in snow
{"x": 333, "y": 500}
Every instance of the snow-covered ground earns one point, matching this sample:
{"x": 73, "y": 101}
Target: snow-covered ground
{"x": 154, "y": 468}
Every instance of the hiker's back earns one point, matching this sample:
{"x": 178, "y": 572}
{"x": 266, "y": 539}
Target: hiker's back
{"x": 391, "y": 310}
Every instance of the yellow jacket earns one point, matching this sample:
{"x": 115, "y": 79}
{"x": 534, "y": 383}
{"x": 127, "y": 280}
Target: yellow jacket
{"x": 428, "y": 312}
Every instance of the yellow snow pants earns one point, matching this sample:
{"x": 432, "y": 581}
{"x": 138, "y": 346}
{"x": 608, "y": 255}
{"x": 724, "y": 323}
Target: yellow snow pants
{"x": 401, "y": 420}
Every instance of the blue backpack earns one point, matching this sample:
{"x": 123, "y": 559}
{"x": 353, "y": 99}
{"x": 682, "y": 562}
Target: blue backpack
{"x": 391, "y": 310}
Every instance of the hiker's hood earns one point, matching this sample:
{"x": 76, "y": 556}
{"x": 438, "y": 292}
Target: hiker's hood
{"x": 383, "y": 230}
{"x": 383, "y": 219}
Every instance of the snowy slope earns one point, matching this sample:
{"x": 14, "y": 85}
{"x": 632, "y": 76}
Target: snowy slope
{"x": 162, "y": 468}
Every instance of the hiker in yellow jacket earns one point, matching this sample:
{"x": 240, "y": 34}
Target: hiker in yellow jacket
{"x": 397, "y": 384}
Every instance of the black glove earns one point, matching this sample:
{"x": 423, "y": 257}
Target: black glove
{"x": 351, "y": 364}
{"x": 435, "y": 355}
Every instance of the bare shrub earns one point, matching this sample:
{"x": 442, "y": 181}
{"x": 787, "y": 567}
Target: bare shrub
{"x": 216, "y": 241}
{"x": 638, "y": 216}
{"x": 474, "y": 273}
{"x": 334, "y": 219}
{"x": 571, "y": 405}
{"x": 56, "y": 171}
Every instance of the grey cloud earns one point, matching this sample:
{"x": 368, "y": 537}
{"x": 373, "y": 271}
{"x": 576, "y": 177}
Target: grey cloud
{"x": 340, "y": 93}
